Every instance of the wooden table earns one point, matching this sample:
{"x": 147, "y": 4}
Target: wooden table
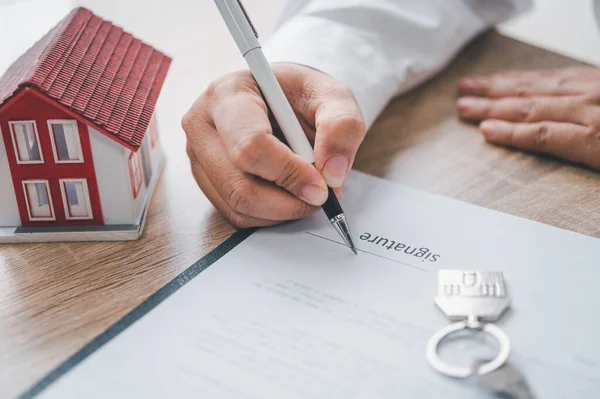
{"x": 54, "y": 298}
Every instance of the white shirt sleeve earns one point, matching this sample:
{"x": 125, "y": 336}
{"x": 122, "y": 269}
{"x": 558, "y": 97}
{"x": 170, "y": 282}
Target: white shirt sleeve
{"x": 597, "y": 12}
{"x": 381, "y": 48}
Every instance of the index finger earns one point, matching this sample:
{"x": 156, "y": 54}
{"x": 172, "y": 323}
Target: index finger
{"x": 523, "y": 84}
{"x": 243, "y": 125}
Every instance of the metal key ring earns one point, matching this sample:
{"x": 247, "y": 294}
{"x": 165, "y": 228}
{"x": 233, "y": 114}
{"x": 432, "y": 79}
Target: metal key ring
{"x": 464, "y": 372}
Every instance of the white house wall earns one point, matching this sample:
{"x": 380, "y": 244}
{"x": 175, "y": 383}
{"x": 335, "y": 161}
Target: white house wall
{"x": 9, "y": 211}
{"x": 139, "y": 202}
{"x": 156, "y": 152}
{"x": 112, "y": 175}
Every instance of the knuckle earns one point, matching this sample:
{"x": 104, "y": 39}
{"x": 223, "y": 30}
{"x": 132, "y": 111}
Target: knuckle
{"x": 591, "y": 117}
{"x": 350, "y": 125}
{"x": 301, "y": 210}
{"x": 592, "y": 140}
{"x": 239, "y": 196}
{"x": 187, "y": 121}
{"x": 594, "y": 96}
{"x": 239, "y": 81}
{"x": 354, "y": 124}
{"x": 212, "y": 90}
{"x": 230, "y": 83}
{"x": 246, "y": 151}
{"x": 194, "y": 121}
{"x": 529, "y": 111}
{"x": 258, "y": 100}
{"x": 289, "y": 175}
{"x": 591, "y": 98}
{"x": 540, "y": 137}
{"x": 238, "y": 221}
{"x": 523, "y": 88}
{"x": 561, "y": 82}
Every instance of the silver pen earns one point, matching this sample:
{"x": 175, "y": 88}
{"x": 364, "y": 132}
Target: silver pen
{"x": 246, "y": 38}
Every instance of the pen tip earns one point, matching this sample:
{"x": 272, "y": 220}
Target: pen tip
{"x": 341, "y": 226}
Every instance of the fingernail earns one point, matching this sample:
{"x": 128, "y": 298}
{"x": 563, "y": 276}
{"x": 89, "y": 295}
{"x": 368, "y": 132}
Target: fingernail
{"x": 494, "y": 130}
{"x": 314, "y": 195}
{"x": 470, "y": 106}
{"x": 472, "y": 85}
{"x": 335, "y": 169}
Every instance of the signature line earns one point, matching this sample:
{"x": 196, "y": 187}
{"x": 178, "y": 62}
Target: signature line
{"x": 367, "y": 252}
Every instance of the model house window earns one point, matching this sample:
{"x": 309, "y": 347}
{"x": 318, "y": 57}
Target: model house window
{"x": 65, "y": 141}
{"x": 39, "y": 201}
{"x": 26, "y": 142}
{"x": 135, "y": 172}
{"x": 76, "y": 199}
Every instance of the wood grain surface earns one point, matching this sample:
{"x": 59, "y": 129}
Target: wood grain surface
{"x": 54, "y": 298}
{"x": 419, "y": 141}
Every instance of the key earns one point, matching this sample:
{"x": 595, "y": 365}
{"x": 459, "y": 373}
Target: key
{"x": 472, "y": 295}
{"x": 471, "y": 298}
{"x": 505, "y": 380}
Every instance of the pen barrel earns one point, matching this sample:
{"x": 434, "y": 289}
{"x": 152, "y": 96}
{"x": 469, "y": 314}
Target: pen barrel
{"x": 238, "y": 24}
{"x": 279, "y": 104}
{"x": 332, "y": 206}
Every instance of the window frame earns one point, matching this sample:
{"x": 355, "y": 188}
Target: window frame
{"x": 73, "y": 122}
{"x": 65, "y": 199}
{"x": 132, "y": 173}
{"x": 52, "y": 216}
{"x": 13, "y": 136}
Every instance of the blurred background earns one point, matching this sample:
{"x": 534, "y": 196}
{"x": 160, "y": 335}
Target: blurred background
{"x": 188, "y": 27}
{"x": 192, "y": 32}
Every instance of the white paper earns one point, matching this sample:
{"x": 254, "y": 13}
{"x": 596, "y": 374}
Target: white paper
{"x": 289, "y": 313}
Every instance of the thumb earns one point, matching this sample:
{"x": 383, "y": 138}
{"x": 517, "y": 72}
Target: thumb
{"x": 330, "y": 108}
{"x": 340, "y": 129}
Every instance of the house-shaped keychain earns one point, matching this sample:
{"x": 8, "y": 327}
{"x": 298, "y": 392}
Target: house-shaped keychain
{"x": 79, "y": 150}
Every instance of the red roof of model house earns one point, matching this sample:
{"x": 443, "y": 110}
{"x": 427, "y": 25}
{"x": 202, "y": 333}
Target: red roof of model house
{"x": 97, "y": 71}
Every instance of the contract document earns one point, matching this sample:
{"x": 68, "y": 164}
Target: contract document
{"x": 291, "y": 313}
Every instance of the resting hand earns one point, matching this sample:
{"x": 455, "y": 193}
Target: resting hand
{"x": 556, "y": 112}
{"x": 249, "y": 175}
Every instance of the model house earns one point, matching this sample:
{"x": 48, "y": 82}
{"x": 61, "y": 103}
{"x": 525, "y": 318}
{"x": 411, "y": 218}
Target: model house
{"x": 79, "y": 148}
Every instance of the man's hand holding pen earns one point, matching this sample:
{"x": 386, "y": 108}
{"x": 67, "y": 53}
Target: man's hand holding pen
{"x": 252, "y": 177}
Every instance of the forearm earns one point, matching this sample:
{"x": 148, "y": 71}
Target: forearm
{"x": 379, "y": 48}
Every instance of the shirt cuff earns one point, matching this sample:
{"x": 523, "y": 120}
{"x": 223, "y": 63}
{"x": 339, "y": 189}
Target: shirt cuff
{"x": 342, "y": 53}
